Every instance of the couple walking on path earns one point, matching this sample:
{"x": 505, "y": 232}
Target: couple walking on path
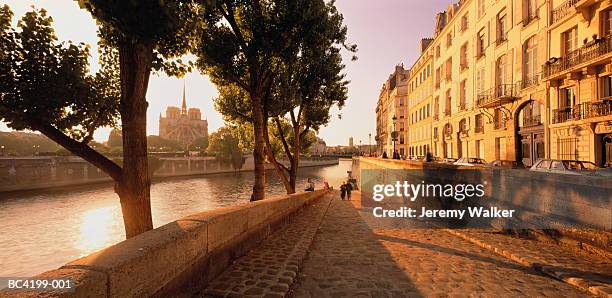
{"x": 345, "y": 190}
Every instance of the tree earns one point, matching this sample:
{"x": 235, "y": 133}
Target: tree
{"x": 308, "y": 81}
{"x": 199, "y": 144}
{"x": 224, "y": 144}
{"x": 239, "y": 47}
{"x": 47, "y": 86}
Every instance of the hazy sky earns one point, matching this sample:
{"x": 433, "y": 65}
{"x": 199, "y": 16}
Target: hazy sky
{"x": 387, "y": 33}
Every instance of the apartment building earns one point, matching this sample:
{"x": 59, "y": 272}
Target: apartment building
{"x": 487, "y": 96}
{"x": 420, "y": 88}
{"x": 391, "y": 111}
{"x": 578, "y": 74}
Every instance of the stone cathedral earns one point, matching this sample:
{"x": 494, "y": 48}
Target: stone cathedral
{"x": 182, "y": 125}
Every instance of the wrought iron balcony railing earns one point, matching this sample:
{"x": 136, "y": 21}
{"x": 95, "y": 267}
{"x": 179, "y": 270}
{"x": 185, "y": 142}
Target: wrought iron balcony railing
{"x": 530, "y": 80}
{"x": 532, "y": 120}
{"x": 563, "y": 10}
{"x": 502, "y": 93}
{"x": 583, "y": 111}
{"x": 588, "y": 52}
{"x": 499, "y": 124}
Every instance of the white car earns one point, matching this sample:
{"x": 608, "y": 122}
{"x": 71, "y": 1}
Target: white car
{"x": 469, "y": 161}
{"x": 569, "y": 167}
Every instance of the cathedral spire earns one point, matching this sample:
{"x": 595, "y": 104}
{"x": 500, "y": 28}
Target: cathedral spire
{"x": 184, "y": 106}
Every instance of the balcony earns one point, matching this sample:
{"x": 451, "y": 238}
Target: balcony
{"x": 583, "y": 111}
{"x": 530, "y": 17}
{"x": 502, "y": 94}
{"x": 591, "y": 51}
{"x": 499, "y": 124}
{"x": 447, "y": 112}
{"x": 530, "y": 80}
{"x": 532, "y": 120}
{"x": 479, "y": 129}
{"x": 563, "y": 10}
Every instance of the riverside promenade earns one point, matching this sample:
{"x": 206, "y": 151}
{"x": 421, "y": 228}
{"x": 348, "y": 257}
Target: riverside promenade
{"x": 330, "y": 250}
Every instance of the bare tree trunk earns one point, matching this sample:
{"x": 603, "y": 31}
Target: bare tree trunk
{"x": 281, "y": 170}
{"x": 259, "y": 124}
{"x": 134, "y": 187}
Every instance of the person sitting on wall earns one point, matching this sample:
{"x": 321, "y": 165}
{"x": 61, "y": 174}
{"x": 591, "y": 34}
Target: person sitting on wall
{"x": 310, "y": 185}
{"x": 384, "y": 155}
{"x": 428, "y": 156}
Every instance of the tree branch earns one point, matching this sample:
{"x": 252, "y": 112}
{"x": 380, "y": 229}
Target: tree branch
{"x": 283, "y": 139}
{"x": 79, "y": 149}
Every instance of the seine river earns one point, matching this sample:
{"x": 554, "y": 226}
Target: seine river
{"x": 44, "y": 230}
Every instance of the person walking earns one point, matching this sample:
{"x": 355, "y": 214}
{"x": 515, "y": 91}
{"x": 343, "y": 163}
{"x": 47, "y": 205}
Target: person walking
{"x": 349, "y": 188}
{"x": 343, "y": 190}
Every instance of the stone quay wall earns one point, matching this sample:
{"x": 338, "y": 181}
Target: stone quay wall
{"x": 179, "y": 257}
{"x": 31, "y": 173}
{"x": 584, "y": 200}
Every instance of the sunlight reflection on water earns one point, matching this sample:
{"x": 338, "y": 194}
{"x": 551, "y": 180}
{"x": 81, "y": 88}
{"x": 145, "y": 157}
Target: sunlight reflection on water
{"x": 45, "y": 230}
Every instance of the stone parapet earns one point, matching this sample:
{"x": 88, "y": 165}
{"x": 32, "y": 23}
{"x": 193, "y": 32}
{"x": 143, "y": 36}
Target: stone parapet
{"x": 179, "y": 256}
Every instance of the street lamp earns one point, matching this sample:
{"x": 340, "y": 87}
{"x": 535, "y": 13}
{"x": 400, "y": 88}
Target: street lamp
{"x": 394, "y": 134}
{"x": 370, "y": 143}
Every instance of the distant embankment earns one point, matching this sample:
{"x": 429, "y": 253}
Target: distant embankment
{"x": 31, "y": 173}
{"x": 181, "y": 256}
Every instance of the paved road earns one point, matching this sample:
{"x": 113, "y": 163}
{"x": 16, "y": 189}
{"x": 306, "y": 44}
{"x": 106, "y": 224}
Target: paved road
{"x": 349, "y": 259}
{"x": 330, "y": 251}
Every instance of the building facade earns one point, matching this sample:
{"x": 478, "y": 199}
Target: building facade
{"x": 420, "y": 89}
{"x": 183, "y": 125}
{"x": 578, "y": 74}
{"x": 512, "y": 80}
{"x": 391, "y": 113}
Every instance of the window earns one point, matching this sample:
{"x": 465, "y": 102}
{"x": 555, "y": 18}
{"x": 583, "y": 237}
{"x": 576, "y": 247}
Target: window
{"x": 606, "y": 83}
{"x": 530, "y": 64}
{"x": 499, "y": 120}
{"x": 464, "y": 22}
{"x": 501, "y": 27}
{"x": 480, "y": 80}
{"x": 567, "y": 97}
{"x": 462, "y": 95}
{"x": 449, "y": 39}
{"x": 479, "y": 123}
{"x": 437, "y": 78}
{"x": 437, "y": 51}
{"x": 463, "y": 56}
{"x": 481, "y": 43}
{"x": 401, "y": 102}
{"x": 530, "y": 11}
{"x": 545, "y": 164}
{"x": 566, "y": 148}
{"x": 556, "y": 165}
{"x": 500, "y": 70}
{"x": 447, "y": 108}
{"x": 569, "y": 40}
{"x": 463, "y": 127}
{"x": 481, "y": 8}
{"x": 480, "y": 148}
{"x": 607, "y": 23}
{"x": 448, "y": 68}
{"x": 436, "y": 107}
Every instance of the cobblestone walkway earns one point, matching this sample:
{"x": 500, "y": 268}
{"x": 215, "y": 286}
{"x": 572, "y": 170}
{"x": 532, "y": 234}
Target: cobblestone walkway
{"x": 270, "y": 269}
{"x": 348, "y": 259}
{"x": 589, "y": 272}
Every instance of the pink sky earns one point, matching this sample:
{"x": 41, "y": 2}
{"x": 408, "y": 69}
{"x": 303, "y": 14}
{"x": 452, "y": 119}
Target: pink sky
{"x": 387, "y": 33}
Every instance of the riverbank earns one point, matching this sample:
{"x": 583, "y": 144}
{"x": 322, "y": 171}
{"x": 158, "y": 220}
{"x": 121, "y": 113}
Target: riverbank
{"x": 40, "y": 174}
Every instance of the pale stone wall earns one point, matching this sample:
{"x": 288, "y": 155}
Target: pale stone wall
{"x": 178, "y": 257}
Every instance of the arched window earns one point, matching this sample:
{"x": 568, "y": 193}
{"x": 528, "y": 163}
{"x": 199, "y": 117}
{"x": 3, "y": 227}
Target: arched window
{"x": 463, "y": 127}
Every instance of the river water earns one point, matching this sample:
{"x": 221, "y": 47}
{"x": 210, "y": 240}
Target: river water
{"x": 44, "y": 230}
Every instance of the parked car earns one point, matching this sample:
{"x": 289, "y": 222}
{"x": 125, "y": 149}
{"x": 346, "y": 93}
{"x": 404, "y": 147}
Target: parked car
{"x": 469, "y": 161}
{"x": 570, "y": 167}
{"x": 448, "y": 160}
{"x": 506, "y": 164}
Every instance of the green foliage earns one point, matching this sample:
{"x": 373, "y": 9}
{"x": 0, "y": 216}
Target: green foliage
{"x": 199, "y": 144}
{"x": 22, "y": 143}
{"x": 224, "y": 145}
{"x": 45, "y": 81}
{"x": 168, "y": 26}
